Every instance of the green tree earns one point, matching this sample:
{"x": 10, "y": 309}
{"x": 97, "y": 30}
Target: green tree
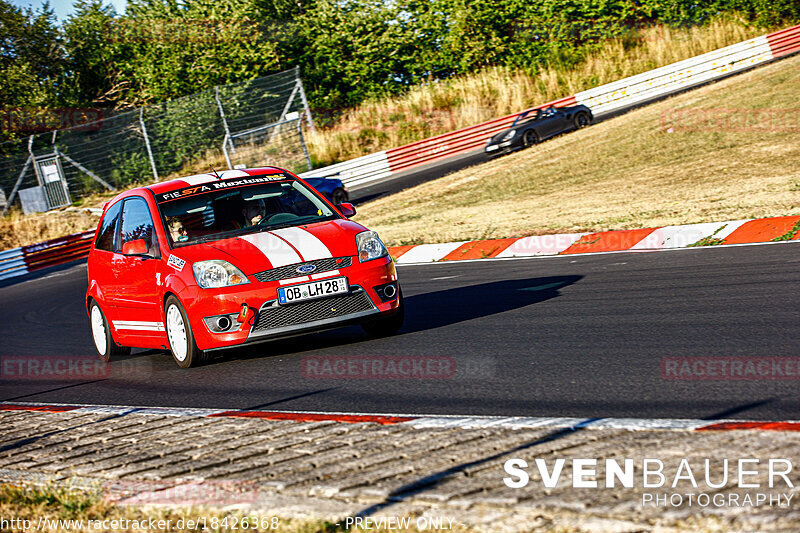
{"x": 91, "y": 54}
{"x": 171, "y": 49}
{"x": 31, "y": 60}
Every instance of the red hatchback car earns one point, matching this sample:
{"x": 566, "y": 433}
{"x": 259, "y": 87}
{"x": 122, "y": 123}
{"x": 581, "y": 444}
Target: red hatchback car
{"x": 218, "y": 260}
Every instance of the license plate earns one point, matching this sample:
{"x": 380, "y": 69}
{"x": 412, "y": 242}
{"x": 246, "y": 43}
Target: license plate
{"x": 492, "y": 148}
{"x": 313, "y": 290}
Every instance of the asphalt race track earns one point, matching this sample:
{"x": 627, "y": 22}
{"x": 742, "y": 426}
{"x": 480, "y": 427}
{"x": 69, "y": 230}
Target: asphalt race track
{"x": 563, "y": 336}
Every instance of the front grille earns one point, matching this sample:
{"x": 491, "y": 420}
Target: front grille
{"x": 290, "y": 271}
{"x": 276, "y": 316}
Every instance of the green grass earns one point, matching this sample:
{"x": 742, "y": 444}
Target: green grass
{"x": 42, "y": 505}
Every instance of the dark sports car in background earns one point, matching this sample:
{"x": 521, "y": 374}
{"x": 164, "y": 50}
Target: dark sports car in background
{"x": 332, "y": 188}
{"x": 537, "y": 125}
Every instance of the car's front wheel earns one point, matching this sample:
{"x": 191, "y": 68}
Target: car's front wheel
{"x": 339, "y": 196}
{"x": 179, "y": 333}
{"x": 529, "y": 138}
{"x": 387, "y": 325}
{"x": 101, "y": 334}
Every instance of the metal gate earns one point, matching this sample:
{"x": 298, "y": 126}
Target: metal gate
{"x": 51, "y": 179}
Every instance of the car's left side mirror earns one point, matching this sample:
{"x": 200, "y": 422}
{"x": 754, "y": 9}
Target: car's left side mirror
{"x": 347, "y": 210}
{"x": 136, "y": 247}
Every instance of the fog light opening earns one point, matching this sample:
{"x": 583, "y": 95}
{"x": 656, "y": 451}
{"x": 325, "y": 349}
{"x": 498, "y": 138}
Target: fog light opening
{"x": 389, "y": 291}
{"x": 223, "y": 323}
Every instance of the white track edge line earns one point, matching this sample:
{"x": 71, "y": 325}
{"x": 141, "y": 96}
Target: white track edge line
{"x": 562, "y": 256}
{"x": 434, "y": 421}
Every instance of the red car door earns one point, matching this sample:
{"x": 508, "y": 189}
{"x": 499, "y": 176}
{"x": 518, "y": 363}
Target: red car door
{"x": 133, "y": 268}
{"x": 101, "y": 258}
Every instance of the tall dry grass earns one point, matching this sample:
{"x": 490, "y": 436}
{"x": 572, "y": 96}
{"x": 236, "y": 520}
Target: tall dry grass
{"x": 17, "y": 229}
{"x": 443, "y": 106}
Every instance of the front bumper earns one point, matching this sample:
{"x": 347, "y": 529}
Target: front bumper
{"x": 271, "y": 320}
{"x": 501, "y": 148}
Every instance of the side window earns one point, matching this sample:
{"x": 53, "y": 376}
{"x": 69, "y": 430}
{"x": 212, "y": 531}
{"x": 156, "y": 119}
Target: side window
{"x": 108, "y": 229}
{"x": 137, "y": 224}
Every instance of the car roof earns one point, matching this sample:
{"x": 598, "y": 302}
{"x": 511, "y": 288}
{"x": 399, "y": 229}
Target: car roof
{"x": 200, "y": 179}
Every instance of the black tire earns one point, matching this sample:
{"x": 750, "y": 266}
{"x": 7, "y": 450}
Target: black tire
{"x": 104, "y": 342}
{"x": 529, "y": 138}
{"x": 184, "y": 349}
{"x": 339, "y": 196}
{"x": 581, "y": 120}
{"x": 387, "y": 325}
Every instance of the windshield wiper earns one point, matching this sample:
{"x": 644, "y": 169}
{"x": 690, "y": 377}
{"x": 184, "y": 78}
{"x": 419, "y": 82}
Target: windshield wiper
{"x": 296, "y": 222}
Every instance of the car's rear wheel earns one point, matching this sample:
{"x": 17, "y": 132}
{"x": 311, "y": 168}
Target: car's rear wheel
{"x": 387, "y": 325}
{"x": 529, "y": 138}
{"x": 179, "y": 333}
{"x": 339, "y": 196}
{"x": 101, "y": 334}
{"x": 582, "y": 120}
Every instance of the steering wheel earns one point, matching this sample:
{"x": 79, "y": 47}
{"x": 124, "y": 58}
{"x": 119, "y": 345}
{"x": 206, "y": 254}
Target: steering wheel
{"x": 278, "y": 218}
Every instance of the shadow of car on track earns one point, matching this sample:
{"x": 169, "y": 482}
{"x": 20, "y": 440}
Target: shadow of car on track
{"x": 450, "y": 306}
{"x": 424, "y": 312}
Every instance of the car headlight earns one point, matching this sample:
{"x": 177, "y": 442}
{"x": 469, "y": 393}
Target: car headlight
{"x": 216, "y": 273}
{"x": 509, "y": 135}
{"x": 370, "y": 246}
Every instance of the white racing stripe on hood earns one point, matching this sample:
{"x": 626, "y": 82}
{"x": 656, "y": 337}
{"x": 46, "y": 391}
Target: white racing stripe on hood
{"x": 309, "y": 246}
{"x": 274, "y": 248}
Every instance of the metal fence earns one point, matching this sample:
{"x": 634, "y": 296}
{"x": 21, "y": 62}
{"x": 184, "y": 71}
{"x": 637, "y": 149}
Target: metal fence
{"x": 154, "y": 141}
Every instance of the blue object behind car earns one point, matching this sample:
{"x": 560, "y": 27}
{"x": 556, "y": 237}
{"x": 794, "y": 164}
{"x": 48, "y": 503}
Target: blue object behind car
{"x": 332, "y": 188}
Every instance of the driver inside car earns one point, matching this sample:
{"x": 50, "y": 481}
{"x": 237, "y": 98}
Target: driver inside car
{"x": 253, "y": 212}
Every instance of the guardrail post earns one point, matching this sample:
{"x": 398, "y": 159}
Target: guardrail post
{"x": 147, "y": 143}
{"x": 225, "y": 150}
{"x": 306, "y": 109}
{"x": 19, "y": 181}
{"x": 303, "y": 144}
{"x": 85, "y": 170}
{"x": 224, "y": 120}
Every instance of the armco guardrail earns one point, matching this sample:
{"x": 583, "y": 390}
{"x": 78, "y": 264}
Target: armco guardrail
{"x": 603, "y": 100}
{"x": 20, "y": 261}
{"x": 454, "y": 143}
{"x": 370, "y": 167}
{"x": 12, "y": 264}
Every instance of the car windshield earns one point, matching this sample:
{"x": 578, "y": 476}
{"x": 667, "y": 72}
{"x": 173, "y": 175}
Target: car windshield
{"x": 536, "y": 114}
{"x": 224, "y": 209}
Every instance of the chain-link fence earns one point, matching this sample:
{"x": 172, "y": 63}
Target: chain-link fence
{"x": 262, "y": 118}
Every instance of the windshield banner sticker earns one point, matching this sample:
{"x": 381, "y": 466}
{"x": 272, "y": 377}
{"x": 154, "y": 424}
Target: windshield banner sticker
{"x": 217, "y": 185}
